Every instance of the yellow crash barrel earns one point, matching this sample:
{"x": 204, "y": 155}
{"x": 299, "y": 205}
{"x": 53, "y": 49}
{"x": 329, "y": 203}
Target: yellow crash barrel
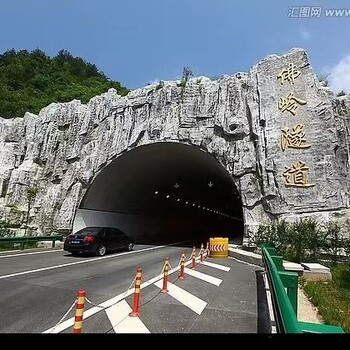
{"x": 218, "y": 247}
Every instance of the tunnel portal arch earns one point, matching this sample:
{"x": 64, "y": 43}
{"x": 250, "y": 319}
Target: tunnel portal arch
{"x": 164, "y": 192}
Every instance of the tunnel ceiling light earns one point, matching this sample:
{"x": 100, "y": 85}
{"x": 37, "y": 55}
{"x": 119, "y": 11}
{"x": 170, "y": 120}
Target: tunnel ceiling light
{"x": 193, "y": 204}
{"x": 178, "y": 199}
{"x": 187, "y": 202}
{"x": 168, "y": 196}
{"x": 156, "y": 192}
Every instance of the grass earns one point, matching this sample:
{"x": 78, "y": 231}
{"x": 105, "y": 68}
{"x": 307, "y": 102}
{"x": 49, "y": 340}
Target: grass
{"x": 332, "y": 298}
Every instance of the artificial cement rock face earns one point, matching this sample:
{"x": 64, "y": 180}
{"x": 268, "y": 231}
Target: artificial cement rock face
{"x": 237, "y": 118}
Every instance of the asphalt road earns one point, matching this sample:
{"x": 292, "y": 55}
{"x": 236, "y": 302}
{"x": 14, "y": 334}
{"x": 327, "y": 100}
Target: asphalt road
{"x": 38, "y": 288}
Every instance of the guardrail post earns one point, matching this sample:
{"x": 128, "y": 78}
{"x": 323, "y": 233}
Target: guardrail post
{"x": 290, "y": 281}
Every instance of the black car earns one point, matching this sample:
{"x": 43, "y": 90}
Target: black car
{"x": 98, "y": 241}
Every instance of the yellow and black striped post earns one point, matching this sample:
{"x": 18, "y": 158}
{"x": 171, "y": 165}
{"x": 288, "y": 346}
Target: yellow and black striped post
{"x": 136, "y": 302}
{"x": 182, "y": 268}
{"x": 79, "y": 310}
{"x": 165, "y": 276}
{"x": 193, "y": 258}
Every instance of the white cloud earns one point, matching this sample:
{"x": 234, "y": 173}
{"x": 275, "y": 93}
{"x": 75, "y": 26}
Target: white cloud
{"x": 340, "y": 75}
{"x": 305, "y": 34}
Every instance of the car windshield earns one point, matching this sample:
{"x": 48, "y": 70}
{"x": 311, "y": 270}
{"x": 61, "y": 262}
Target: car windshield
{"x": 88, "y": 231}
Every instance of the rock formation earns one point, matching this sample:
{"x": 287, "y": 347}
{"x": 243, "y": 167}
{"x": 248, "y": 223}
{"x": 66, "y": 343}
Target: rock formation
{"x": 281, "y": 134}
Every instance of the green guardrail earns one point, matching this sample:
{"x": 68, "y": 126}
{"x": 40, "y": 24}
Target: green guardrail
{"x": 284, "y": 292}
{"x": 26, "y": 239}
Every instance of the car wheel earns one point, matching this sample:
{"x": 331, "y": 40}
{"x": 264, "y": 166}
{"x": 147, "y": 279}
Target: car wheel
{"x": 101, "y": 251}
{"x": 130, "y": 246}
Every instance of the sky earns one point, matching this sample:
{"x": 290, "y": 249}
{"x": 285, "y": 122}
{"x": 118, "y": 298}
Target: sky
{"x": 138, "y": 42}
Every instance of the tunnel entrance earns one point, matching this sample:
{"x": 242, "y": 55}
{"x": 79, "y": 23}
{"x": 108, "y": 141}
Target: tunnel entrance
{"x": 164, "y": 193}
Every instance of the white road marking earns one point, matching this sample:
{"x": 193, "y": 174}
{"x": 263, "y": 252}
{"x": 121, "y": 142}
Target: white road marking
{"x": 121, "y": 321}
{"x": 216, "y": 266}
{"x": 69, "y": 323}
{"x": 116, "y": 313}
{"x": 31, "y": 253}
{"x": 203, "y": 276}
{"x": 77, "y": 262}
{"x": 131, "y": 325}
{"x": 191, "y": 301}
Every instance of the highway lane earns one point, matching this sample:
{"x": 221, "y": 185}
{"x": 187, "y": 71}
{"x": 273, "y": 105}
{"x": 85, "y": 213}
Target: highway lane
{"x": 34, "y": 301}
{"x": 17, "y": 262}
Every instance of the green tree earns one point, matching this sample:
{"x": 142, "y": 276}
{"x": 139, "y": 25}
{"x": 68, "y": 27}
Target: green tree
{"x": 30, "y": 81}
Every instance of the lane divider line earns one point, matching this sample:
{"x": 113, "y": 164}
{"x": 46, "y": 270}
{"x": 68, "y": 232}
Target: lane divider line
{"x": 203, "y": 276}
{"x": 191, "y": 301}
{"x": 77, "y": 262}
{"x": 216, "y": 266}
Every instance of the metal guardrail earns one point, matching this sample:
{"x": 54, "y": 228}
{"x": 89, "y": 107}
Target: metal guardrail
{"x": 284, "y": 293}
{"x": 26, "y": 239}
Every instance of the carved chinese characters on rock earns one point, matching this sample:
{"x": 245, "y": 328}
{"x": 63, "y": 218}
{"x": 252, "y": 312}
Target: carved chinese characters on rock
{"x": 295, "y": 175}
{"x": 288, "y": 74}
{"x": 290, "y": 103}
{"x": 293, "y": 137}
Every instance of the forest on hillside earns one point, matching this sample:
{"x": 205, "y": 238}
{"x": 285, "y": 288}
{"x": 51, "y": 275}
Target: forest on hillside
{"x": 32, "y": 80}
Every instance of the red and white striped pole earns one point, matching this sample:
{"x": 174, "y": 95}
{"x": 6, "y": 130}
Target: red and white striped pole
{"x": 165, "y": 276}
{"x": 136, "y": 302}
{"x": 193, "y": 258}
{"x": 79, "y": 310}
{"x": 182, "y": 268}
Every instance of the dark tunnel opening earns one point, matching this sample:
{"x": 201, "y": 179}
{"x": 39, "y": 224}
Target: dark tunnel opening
{"x": 164, "y": 193}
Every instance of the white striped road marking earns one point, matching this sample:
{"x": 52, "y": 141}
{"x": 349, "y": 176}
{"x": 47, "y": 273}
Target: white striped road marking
{"x": 31, "y": 253}
{"x": 203, "y": 276}
{"x": 69, "y": 323}
{"x": 78, "y": 262}
{"x": 216, "y": 266}
{"x": 191, "y": 301}
{"x": 132, "y": 325}
{"x": 119, "y": 317}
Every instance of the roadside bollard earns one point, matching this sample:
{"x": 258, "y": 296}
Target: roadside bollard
{"x": 201, "y": 252}
{"x": 207, "y": 250}
{"x": 165, "y": 276}
{"x": 182, "y": 268}
{"x": 79, "y": 310}
{"x": 193, "y": 258}
{"x": 136, "y": 302}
